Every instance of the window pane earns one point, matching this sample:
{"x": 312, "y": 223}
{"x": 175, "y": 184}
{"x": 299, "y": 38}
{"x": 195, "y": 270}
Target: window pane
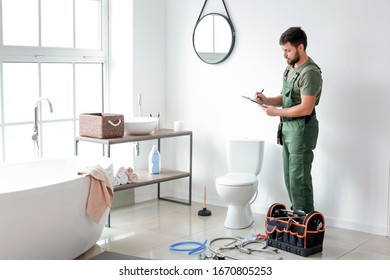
{"x": 20, "y": 22}
{"x": 58, "y": 139}
{"x": 88, "y": 24}
{"x": 19, "y": 144}
{"x": 204, "y": 35}
{"x": 57, "y": 86}
{"x": 223, "y": 35}
{"x": 88, "y": 88}
{"x": 57, "y": 23}
{"x": 21, "y": 89}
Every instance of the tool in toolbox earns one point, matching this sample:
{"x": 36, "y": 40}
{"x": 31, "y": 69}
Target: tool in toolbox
{"x": 295, "y": 231}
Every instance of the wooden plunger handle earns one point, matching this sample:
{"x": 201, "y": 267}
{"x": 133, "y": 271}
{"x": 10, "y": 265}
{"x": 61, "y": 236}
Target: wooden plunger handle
{"x": 204, "y": 197}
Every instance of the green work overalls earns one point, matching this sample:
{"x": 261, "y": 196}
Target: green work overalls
{"x": 299, "y": 140}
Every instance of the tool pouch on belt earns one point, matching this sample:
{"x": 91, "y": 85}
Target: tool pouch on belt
{"x": 279, "y": 139}
{"x": 300, "y": 234}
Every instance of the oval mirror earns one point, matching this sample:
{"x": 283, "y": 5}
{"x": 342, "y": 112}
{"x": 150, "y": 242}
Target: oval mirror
{"x": 213, "y": 38}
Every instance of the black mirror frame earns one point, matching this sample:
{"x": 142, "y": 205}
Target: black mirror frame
{"x": 233, "y": 38}
{"x": 229, "y": 21}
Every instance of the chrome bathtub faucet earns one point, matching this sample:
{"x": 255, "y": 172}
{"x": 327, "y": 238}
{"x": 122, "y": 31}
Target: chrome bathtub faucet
{"x": 35, "y": 136}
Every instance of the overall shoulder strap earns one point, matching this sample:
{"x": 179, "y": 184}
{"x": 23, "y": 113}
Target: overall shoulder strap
{"x": 311, "y": 66}
{"x": 285, "y": 75}
{"x": 295, "y": 77}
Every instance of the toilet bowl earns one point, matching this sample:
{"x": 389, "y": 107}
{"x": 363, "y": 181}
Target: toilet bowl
{"x": 238, "y": 187}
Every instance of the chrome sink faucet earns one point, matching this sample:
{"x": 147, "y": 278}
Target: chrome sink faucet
{"x": 35, "y": 136}
{"x": 139, "y": 106}
{"x": 136, "y": 144}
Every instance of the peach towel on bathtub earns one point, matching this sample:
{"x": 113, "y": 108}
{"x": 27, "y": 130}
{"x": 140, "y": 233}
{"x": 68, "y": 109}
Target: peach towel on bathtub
{"x": 100, "y": 191}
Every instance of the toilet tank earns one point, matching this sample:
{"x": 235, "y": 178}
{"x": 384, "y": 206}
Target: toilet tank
{"x": 245, "y": 155}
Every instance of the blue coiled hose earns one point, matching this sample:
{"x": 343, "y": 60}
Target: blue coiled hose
{"x": 201, "y": 247}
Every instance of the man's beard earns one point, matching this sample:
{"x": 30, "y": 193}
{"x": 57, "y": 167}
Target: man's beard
{"x": 294, "y": 60}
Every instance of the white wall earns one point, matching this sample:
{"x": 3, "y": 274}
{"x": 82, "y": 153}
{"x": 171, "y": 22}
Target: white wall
{"x": 149, "y": 66}
{"x": 121, "y": 57}
{"x": 348, "y": 39}
{"x": 121, "y": 70}
{"x": 149, "y": 56}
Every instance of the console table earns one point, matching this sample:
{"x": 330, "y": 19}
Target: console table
{"x": 144, "y": 178}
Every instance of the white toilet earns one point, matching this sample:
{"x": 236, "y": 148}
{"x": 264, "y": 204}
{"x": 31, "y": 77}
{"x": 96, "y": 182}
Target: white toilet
{"x": 238, "y": 187}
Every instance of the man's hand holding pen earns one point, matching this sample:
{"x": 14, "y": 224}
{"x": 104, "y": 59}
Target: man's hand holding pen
{"x": 262, "y": 99}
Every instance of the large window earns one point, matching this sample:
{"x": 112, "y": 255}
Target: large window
{"x": 56, "y": 49}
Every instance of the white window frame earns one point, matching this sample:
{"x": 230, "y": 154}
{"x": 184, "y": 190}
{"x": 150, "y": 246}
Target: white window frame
{"x": 31, "y": 54}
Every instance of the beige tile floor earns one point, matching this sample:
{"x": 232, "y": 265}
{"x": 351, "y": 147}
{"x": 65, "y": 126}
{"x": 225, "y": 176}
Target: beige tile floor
{"x": 148, "y": 229}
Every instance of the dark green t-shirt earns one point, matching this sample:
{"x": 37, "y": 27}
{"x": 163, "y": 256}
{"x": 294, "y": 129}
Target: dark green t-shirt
{"x": 308, "y": 83}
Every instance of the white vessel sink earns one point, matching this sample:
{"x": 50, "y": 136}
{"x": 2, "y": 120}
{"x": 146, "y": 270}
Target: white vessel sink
{"x": 140, "y": 125}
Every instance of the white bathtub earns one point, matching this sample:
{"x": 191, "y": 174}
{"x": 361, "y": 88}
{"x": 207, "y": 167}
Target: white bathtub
{"x": 43, "y": 209}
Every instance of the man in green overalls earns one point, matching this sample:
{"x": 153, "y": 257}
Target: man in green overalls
{"x": 302, "y": 85}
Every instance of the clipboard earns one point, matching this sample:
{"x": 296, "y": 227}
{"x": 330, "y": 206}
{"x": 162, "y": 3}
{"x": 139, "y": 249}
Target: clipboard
{"x": 248, "y": 98}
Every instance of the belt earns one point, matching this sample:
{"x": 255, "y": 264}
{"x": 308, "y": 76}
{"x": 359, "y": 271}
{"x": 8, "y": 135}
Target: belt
{"x": 306, "y": 118}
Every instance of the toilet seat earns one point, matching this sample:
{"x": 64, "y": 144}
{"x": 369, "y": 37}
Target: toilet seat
{"x": 237, "y": 179}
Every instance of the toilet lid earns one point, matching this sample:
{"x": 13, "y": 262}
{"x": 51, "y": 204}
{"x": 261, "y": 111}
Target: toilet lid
{"x": 236, "y": 179}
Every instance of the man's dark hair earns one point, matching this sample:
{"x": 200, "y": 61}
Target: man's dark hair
{"x": 294, "y": 35}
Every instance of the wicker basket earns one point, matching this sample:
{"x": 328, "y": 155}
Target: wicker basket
{"x": 101, "y": 125}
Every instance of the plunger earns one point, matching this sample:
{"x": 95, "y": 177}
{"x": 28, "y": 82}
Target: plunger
{"x": 204, "y": 211}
